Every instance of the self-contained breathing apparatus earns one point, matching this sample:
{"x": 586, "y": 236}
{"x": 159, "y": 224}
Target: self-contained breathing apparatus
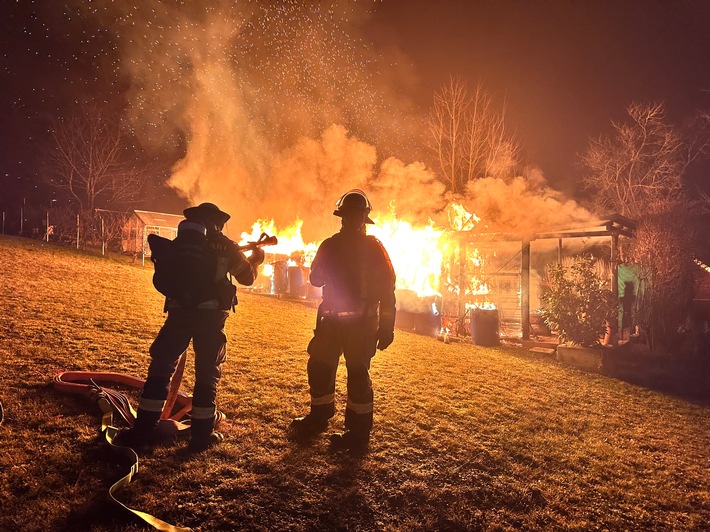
{"x": 186, "y": 267}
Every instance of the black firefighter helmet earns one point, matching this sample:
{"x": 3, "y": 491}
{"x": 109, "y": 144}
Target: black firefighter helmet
{"x": 354, "y": 200}
{"x": 207, "y": 213}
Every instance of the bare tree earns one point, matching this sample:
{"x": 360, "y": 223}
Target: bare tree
{"x": 468, "y": 136}
{"x": 91, "y": 161}
{"x": 664, "y": 248}
{"x": 699, "y": 148}
{"x": 639, "y": 172}
{"x": 448, "y": 130}
{"x": 643, "y": 164}
{"x": 111, "y": 225}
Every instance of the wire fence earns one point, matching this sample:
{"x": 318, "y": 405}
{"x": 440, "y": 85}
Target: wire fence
{"x": 98, "y": 229}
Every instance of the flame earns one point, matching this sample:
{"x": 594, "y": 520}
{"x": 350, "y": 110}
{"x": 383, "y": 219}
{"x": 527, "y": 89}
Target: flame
{"x": 267, "y": 269}
{"x": 460, "y": 219}
{"x": 290, "y": 243}
{"x": 425, "y": 257}
{"x": 416, "y": 253}
{"x": 486, "y": 305}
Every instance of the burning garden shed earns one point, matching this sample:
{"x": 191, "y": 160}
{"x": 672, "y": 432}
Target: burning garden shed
{"x": 459, "y": 283}
{"x": 502, "y": 271}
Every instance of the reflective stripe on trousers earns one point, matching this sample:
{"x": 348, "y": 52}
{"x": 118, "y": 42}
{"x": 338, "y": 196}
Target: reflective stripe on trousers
{"x": 360, "y": 408}
{"x": 323, "y": 399}
{"x": 202, "y": 412}
{"x": 206, "y": 330}
{"x": 356, "y": 340}
{"x": 151, "y": 405}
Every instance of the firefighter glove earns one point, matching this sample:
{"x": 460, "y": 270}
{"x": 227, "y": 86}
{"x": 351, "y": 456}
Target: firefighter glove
{"x": 385, "y": 336}
{"x": 257, "y": 256}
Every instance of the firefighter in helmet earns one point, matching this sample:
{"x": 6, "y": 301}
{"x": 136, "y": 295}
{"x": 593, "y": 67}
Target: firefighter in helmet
{"x": 204, "y": 326}
{"x": 355, "y": 318}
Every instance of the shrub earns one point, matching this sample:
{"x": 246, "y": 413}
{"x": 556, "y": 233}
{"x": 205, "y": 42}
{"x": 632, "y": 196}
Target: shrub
{"x": 663, "y": 246}
{"x": 576, "y": 301}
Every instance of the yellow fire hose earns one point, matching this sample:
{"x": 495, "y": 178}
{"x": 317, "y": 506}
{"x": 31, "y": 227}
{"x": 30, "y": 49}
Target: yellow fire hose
{"x": 110, "y": 402}
{"x": 110, "y": 433}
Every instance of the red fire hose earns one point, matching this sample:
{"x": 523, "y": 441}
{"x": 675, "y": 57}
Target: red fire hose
{"x": 110, "y": 402}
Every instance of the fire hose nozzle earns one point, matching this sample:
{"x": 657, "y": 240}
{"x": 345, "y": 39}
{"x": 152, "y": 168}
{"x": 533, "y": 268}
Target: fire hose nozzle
{"x": 264, "y": 240}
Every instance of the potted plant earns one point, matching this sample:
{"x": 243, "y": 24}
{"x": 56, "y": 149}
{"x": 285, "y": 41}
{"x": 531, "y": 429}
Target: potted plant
{"x": 577, "y": 305}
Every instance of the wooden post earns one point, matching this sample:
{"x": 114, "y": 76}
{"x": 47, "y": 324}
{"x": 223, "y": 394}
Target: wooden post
{"x": 614, "y": 327}
{"x": 143, "y": 247}
{"x": 525, "y": 289}
{"x": 22, "y": 218}
{"x": 462, "y": 277}
{"x": 615, "y": 265}
{"x": 77, "y": 231}
{"x": 103, "y": 238}
{"x": 3, "y": 222}
{"x": 47, "y": 231}
{"x": 559, "y": 251}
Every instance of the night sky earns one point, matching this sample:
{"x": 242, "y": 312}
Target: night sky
{"x": 565, "y": 70}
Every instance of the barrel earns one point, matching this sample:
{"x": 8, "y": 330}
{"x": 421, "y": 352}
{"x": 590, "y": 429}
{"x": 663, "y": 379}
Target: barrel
{"x": 404, "y": 320}
{"x": 484, "y": 327}
{"x": 296, "y": 282}
{"x": 427, "y": 323}
{"x": 313, "y": 293}
{"x": 279, "y": 279}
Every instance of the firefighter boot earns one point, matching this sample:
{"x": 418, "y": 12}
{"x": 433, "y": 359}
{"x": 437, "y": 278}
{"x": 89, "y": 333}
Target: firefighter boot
{"x": 202, "y": 436}
{"x": 356, "y": 437}
{"x": 313, "y": 423}
{"x": 350, "y": 440}
{"x": 142, "y": 433}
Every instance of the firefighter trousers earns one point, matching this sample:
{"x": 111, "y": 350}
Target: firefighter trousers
{"x": 205, "y": 327}
{"x": 356, "y": 339}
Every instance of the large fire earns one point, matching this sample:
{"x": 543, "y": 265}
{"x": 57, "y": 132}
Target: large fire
{"x": 425, "y": 257}
{"x": 416, "y": 253}
{"x": 290, "y": 242}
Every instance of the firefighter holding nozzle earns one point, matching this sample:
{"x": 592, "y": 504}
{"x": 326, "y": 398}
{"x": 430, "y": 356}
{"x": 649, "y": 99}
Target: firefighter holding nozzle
{"x": 191, "y": 271}
{"x": 355, "y": 318}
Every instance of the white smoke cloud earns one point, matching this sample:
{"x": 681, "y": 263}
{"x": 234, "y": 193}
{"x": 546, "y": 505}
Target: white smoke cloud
{"x": 522, "y": 205}
{"x": 316, "y": 172}
{"x": 249, "y": 93}
{"x": 409, "y": 190}
{"x": 279, "y": 108}
{"x": 309, "y": 178}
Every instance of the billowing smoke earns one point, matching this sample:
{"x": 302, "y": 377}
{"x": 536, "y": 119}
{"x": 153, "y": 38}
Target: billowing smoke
{"x": 278, "y": 108}
{"x": 522, "y": 205}
{"x": 308, "y": 178}
{"x": 409, "y": 190}
{"x": 314, "y": 173}
{"x": 252, "y": 94}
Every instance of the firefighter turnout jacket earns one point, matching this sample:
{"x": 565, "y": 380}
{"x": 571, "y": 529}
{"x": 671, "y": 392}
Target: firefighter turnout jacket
{"x": 225, "y": 258}
{"x": 356, "y": 274}
{"x": 358, "y": 307}
{"x": 204, "y": 326}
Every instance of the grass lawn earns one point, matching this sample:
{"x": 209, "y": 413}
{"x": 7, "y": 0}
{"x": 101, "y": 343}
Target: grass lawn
{"x": 465, "y": 437}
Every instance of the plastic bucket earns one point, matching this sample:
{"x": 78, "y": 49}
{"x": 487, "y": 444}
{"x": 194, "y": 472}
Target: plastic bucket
{"x": 485, "y": 327}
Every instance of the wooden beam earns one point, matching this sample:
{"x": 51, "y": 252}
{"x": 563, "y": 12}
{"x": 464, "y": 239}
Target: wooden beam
{"x": 575, "y": 234}
{"x": 623, "y": 221}
{"x": 525, "y": 289}
{"x": 615, "y": 266}
{"x": 614, "y": 327}
{"x": 462, "y": 278}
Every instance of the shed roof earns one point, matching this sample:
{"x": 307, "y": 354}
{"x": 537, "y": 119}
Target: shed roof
{"x": 702, "y": 281}
{"x": 159, "y": 219}
{"x": 607, "y": 226}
